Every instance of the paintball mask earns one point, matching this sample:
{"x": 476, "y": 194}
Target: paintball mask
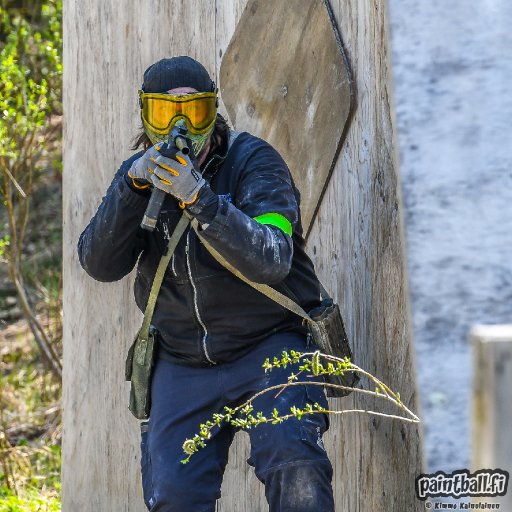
{"x": 161, "y": 111}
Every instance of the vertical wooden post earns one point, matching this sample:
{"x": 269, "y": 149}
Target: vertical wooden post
{"x": 107, "y": 46}
{"x": 356, "y": 242}
{"x": 492, "y": 407}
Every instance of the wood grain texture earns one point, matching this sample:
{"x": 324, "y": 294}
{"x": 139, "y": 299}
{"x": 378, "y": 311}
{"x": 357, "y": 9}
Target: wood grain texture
{"x": 356, "y": 243}
{"x": 107, "y": 46}
{"x": 294, "y": 91}
{"x": 491, "y": 445}
{"x": 357, "y": 247}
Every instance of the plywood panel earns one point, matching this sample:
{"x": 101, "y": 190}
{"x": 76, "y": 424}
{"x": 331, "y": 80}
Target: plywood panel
{"x": 284, "y": 78}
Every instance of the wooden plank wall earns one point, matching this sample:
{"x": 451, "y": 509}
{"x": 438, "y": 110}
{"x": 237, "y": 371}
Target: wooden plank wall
{"x": 491, "y": 443}
{"x": 108, "y": 44}
{"x": 356, "y": 244}
{"x": 358, "y": 249}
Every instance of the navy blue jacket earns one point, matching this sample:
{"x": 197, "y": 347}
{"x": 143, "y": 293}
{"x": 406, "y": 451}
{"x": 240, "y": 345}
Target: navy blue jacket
{"x": 204, "y": 314}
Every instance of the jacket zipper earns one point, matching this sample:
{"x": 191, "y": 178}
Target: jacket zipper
{"x": 173, "y": 268}
{"x": 196, "y": 306}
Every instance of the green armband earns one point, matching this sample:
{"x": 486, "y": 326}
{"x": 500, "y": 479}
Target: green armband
{"x": 277, "y": 220}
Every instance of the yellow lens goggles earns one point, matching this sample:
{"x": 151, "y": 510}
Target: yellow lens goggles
{"x": 161, "y": 111}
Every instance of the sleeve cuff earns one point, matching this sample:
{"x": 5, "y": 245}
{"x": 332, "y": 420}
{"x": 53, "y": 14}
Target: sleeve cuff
{"x": 146, "y": 192}
{"x": 205, "y": 208}
{"x": 131, "y": 196}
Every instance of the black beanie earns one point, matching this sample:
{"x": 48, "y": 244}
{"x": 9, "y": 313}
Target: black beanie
{"x": 175, "y": 72}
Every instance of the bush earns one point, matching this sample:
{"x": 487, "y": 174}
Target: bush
{"x": 30, "y": 103}
{"x": 30, "y": 91}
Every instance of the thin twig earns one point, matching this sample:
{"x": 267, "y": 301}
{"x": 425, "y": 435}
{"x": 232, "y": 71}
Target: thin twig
{"x": 312, "y": 383}
{"x": 287, "y": 385}
{"x": 16, "y": 184}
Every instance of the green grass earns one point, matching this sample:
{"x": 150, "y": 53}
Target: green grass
{"x": 30, "y": 427}
{"x": 12, "y": 503}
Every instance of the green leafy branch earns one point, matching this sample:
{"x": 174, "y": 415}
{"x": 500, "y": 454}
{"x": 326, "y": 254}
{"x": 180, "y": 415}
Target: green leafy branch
{"x": 242, "y": 415}
{"x": 30, "y": 91}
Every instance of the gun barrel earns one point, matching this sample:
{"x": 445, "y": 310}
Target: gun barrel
{"x": 181, "y": 144}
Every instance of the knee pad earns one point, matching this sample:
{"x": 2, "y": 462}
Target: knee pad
{"x": 300, "y": 487}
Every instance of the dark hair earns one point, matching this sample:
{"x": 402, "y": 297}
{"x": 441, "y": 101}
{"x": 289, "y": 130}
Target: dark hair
{"x": 219, "y": 134}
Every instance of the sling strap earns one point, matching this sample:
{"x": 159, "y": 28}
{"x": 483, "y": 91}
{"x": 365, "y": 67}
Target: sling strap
{"x": 159, "y": 275}
{"x": 267, "y": 290}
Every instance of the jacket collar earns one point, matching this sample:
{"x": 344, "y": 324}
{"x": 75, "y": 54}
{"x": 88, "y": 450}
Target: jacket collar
{"x": 215, "y": 159}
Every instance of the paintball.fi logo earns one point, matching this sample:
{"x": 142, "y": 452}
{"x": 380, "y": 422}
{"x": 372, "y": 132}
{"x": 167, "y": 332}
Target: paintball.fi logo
{"x": 462, "y": 483}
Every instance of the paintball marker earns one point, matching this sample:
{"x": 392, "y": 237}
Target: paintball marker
{"x": 177, "y": 137}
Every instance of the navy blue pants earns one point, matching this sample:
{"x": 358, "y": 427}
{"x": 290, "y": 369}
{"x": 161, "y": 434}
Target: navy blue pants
{"x": 289, "y": 458}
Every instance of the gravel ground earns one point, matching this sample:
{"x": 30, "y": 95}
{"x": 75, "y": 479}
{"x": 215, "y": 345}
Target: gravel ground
{"x": 452, "y": 73}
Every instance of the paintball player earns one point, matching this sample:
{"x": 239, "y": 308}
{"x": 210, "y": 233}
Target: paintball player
{"x": 213, "y": 330}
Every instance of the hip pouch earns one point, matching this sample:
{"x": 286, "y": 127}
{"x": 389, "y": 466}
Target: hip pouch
{"x": 138, "y": 366}
{"x": 141, "y": 355}
{"x": 328, "y": 332}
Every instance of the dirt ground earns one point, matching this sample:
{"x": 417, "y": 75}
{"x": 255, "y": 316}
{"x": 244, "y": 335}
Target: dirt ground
{"x": 452, "y": 70}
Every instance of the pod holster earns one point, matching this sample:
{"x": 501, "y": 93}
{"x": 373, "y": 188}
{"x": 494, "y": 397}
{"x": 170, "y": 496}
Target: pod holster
{"x": 329, "y": 334}
{"x": 139, "y": 364}
{"x": 141, "y": 355}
